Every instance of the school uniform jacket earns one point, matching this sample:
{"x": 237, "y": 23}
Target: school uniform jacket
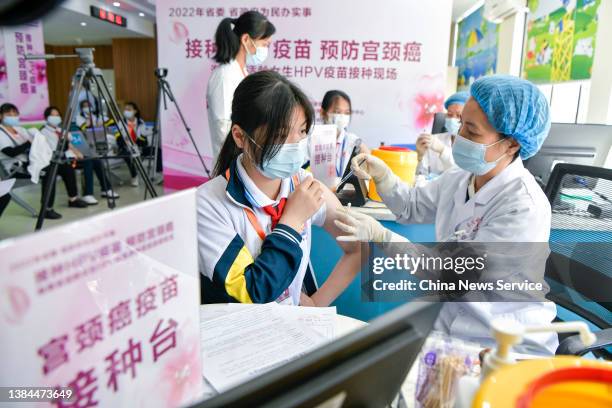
{"x": 236, "y": 264}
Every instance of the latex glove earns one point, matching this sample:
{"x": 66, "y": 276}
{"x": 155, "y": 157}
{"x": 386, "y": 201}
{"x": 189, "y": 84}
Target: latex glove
{"x": 366, "y": 166}
{"x": 436, "y": 145}
{"x": 362, "y": 227}
{"x": 422, "y": 144}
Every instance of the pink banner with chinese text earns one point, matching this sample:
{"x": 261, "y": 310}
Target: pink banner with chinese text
{"x": 24, "y": 83}
{"x": 390, "y": 57}
{"x": 108, "y": 307}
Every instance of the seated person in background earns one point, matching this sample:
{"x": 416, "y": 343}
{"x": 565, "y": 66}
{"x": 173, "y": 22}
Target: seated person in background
{"x": 336, "y": 110}
{"x": 434, "y": 151}
{"x": 15, "y": 144}
{"x": 255, "y": 216}
{"x": 140, "y": 133}
{"x": 52, "y": 126}
{"x": 84, "y": 120}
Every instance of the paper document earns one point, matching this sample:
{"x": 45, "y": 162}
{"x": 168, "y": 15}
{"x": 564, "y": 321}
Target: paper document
{"x": 320, "y": 319}
{"x": 240, "y": 342}
{"x": 5, "y": 186}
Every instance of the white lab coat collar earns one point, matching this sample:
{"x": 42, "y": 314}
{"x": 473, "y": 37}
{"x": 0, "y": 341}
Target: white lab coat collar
{"x": 341, "y": 136}
{"x": 236, "y": 66}
{"x": 513, "y": 171}
{"x": 257, "y": 197}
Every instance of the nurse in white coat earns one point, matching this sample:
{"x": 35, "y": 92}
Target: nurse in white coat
{"x": 434, "y": 151}
{"x": 490, "y": 197}
{"x": 240, "y": 42}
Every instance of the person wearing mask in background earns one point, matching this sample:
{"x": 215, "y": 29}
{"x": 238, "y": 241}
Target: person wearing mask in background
{"x": 53, "y": 132}
{"x": 489, "y": 198}
{"x": 140, "y": 133}
{"x": 53, "y": 119}
{"x": 15, "y": 144}
{"x": 434, "y": 151}
{"x": 255, "y": 216}
{"x": 336, "y": 109}
{"x": 240, "y": 42}
{"x": 90, "y": 166}
{"x": 84, "y": 121}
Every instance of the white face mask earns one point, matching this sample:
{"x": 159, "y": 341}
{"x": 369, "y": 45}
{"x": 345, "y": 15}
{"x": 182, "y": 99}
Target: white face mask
{"x": 54, "y": 121}
{"x": 128, "y": 114}
{"x": 258, "y": 58}
{"x": 340, "y": 120}
{"x": 452, "y": 125}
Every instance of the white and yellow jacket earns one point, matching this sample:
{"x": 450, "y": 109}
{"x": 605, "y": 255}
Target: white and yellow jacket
{"x": 241, "y": 258}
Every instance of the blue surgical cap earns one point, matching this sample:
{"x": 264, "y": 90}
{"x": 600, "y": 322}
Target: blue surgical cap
{"x": 459, "y": 98}
{"x": 516, "y": 108}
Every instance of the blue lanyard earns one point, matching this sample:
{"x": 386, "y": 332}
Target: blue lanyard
{"x": 340, "y": 167}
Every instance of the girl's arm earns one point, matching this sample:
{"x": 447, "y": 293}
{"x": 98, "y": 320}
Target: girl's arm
{"x": 349, "y": 264}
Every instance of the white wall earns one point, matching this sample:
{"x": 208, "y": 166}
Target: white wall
{"x": 510, "y": 45}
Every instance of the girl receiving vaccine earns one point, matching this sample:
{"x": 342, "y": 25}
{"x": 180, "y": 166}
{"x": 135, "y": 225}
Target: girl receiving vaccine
{"x": 336, "y": 109}
{"x": 255, "y": 216}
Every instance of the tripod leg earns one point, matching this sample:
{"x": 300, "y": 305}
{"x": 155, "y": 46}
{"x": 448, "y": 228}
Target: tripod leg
{"x": 76, "y": 87}
{"x": 156, "y": 134}
{"x": 114, "y": 112}
{"x": 110, "y": 193}
{"x": 168, "y": 91}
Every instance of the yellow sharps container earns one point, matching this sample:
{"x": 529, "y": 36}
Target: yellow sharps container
{"x": 559, "y": 382}
{"x": 402, "y": 161}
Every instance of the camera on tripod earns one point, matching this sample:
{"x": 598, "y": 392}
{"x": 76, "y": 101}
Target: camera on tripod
{"x": 161, "y": 72}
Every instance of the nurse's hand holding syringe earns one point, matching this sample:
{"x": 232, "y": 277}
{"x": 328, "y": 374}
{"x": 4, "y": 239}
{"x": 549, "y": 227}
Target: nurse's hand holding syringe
{"x": 366, "y": 166}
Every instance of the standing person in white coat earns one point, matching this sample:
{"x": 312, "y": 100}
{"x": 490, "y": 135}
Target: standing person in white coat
{"x": 240, "y": 42}
{"x": 489, "y": 198}
{"x": 434, "y": 152}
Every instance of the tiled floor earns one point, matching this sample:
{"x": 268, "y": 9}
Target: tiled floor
{"x": 15, "y": 221}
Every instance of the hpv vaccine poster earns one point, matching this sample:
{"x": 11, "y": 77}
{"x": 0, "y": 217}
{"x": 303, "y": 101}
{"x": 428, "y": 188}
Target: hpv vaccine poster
{"x": 390, "y": 57}
{"x": 105, "y": 309}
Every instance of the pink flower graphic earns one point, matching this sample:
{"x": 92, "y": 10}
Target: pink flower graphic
{"x": 179, "y": 32}
{"x": 2, "y": 69}
{"x": 15, "y": 304}
{"x": 425, "y": 105}
{"x": 40, "y": 68}
{"x": 182, "y": 374}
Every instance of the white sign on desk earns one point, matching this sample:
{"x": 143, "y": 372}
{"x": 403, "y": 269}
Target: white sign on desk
{"x": 323, "y": 154}
{"x": 107, "y": 306}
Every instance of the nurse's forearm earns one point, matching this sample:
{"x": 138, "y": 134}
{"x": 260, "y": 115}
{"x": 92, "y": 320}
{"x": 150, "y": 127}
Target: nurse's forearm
{"x": 343, "y": 274}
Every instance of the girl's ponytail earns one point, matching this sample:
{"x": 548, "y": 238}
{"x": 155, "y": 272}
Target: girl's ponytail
{"x": 227, "y": 41}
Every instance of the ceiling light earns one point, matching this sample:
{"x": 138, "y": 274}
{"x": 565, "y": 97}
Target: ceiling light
{"x": 83, "y": 23}
{"x": 141, "y": 14}
{"x": 116, "y": 4}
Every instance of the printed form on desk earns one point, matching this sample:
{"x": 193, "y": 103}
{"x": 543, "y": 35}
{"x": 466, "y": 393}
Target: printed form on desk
{"x": 240, "y": 342}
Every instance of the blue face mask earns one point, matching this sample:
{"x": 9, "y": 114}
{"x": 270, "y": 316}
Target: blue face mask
{"x": 11, "y": 121}
{"x": 452, "y": 125}
{"x": 470, "y": 156}
{"x": 287, "y": 161}
{"x": 258, "y": 58}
